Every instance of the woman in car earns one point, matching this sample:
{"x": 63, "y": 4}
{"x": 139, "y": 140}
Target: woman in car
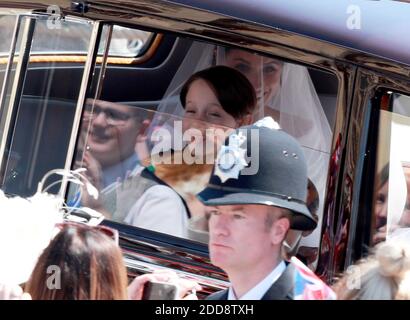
{"x": 285, "y": 92}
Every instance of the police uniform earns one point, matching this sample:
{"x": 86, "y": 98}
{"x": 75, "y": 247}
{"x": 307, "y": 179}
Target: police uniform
{"x": 261, "y": 164}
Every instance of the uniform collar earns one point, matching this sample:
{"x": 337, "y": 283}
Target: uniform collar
{"x": 258, "y": 291}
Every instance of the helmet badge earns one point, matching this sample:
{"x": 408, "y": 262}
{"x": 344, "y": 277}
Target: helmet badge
{"x": 231, "y": 158}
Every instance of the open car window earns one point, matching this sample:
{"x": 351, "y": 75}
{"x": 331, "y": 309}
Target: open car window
{"x": 148, "y": 182}
{"x": 132, "y": 116}
{"x": 301, "y": 99}
{"x": 391, "y": 194}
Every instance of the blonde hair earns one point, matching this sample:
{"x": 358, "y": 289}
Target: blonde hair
{"x": 384, "y": 275}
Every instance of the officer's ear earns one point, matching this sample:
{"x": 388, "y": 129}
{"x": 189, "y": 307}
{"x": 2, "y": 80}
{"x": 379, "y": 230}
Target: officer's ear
{"x": 279, "y": 230}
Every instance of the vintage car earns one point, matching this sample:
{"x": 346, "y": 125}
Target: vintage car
{"x": 336, "y": 77}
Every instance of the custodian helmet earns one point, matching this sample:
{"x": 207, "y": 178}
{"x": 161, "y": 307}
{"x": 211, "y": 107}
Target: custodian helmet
{"x": 261, "y": 165}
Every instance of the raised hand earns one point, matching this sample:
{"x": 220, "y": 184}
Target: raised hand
{"x": 187, "y": 288}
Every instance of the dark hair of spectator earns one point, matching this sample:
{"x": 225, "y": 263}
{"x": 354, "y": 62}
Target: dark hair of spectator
{"x": 80, "y": 263}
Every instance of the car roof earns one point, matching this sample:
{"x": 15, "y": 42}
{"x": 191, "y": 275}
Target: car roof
{"x": 383, "y": 31}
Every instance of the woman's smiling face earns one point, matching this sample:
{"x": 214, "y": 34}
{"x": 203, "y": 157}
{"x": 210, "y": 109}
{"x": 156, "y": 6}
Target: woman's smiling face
{"x": 264, "y": 73}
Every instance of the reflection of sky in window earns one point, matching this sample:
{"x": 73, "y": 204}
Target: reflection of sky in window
{"x": 400, "y": 131}
{"x": 401, "y": 104}
{"x": 70, "y": 37}
{"x": 73, "y": 38}
{"x": 6, "y": 27}
{"x": 128, "y": 42}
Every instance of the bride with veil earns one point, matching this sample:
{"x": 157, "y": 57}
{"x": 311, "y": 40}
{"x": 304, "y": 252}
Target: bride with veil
{"x": 284, "y": 91}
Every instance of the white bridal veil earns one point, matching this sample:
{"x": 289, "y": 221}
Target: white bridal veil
{"x": 296, "y": 101}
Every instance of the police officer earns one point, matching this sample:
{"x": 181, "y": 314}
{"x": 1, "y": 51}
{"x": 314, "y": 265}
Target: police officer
{"x": 256, "y": 193}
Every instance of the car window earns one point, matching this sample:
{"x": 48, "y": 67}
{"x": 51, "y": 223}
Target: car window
{"x": 126, "y": 42}
{"x": 147, "y": 99}
{"x": 391, "y": 194}
{"x": 129, "y": 43}
{"x": 39, "y": 102}
{"x": 7, "y": 24}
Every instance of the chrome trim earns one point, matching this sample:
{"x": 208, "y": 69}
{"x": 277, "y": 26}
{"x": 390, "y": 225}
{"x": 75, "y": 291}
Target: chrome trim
{"x": 358, "y": 134}
{"x": 146, "y": 250}
{"x": 8, "y": 67}
{"x": 143, "y": 250}
{"x": 332, "y": 201}
{"x": 18, "y": 82}
{"x": 208, "y": 284}
{"x": 90, "y": 62}
{"x": 13, "y": 11}
{"x": 142, "y": 256}
{"x": 66, "y": 15}
{"x": 104, "y": 60}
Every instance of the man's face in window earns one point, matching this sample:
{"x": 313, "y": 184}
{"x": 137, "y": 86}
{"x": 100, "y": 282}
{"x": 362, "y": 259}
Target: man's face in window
{"x": 113, "y": 131}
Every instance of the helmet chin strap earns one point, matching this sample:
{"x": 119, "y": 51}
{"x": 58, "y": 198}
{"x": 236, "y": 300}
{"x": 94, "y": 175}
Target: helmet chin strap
{"x": 290, "y": 247}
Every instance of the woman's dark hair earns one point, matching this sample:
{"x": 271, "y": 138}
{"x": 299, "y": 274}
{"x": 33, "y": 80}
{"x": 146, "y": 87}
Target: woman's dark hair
{"x": 233, "y": 90}
{"x": 87, "y": 263}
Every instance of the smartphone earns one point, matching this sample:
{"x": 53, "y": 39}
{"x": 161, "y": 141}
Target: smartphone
{"x": 154, "y": 290}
